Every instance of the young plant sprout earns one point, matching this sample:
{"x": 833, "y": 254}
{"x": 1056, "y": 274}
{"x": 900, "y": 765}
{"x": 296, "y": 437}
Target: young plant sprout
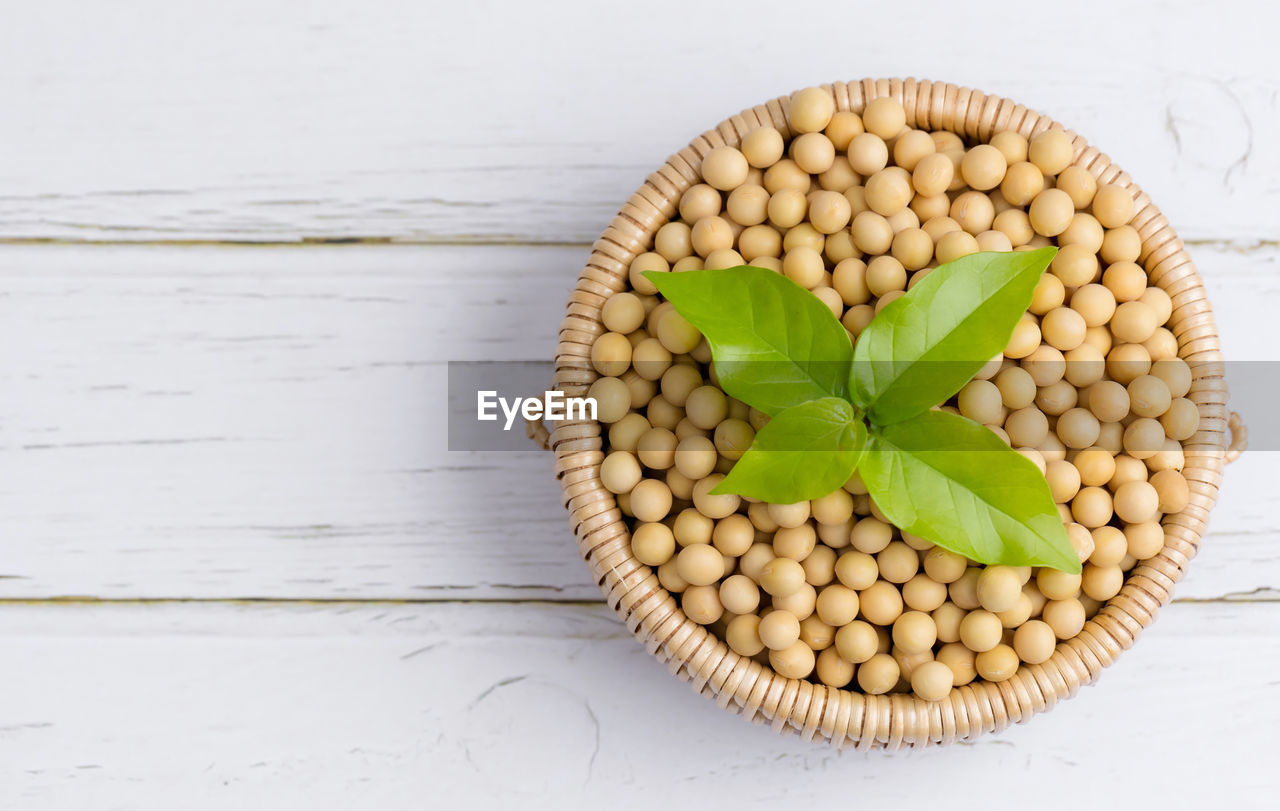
{"x": 836, "y": 408}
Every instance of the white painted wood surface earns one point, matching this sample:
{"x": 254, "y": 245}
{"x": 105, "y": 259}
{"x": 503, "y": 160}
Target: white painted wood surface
{"x": 543, "y": 706}
{"x": 220, "y": 441}
{"x": 482, "y": 121}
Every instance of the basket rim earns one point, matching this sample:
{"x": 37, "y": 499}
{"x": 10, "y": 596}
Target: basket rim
{"x": 839, "y": 716}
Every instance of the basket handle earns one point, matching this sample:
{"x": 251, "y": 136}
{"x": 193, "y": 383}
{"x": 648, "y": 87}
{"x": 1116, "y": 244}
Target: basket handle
{"x": 1239, "y": 437}
{"x": 537, "y": 431}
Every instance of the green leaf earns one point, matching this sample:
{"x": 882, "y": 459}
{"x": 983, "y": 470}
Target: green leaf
{"x": 804, "y": 452}
{"x": 922, "y": 348}
{"x": 775, "y": 344}
{"x": 954, "y": 482}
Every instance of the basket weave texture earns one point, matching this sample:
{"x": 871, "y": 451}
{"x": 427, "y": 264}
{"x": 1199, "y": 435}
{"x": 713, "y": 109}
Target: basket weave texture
{"x": 842, "y": 717}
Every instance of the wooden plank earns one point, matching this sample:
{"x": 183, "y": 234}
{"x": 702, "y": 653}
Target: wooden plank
{"x": 268, "y": 422}
{"x": 539, "y": 706}
{"x": 421, "y": 122}
{"x": 195, "y": 418}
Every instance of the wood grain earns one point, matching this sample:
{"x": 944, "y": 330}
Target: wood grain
{"x": 269, "y": 423}
{"x": 282, "y": 120}
{"x": 184, "y": 426}
{"x": 355, "y": 706}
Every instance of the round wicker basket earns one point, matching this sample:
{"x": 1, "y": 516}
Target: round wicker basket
{"x": 842, "y": 717}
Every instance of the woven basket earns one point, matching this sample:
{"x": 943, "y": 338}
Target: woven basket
{"x": 842, "y": 717}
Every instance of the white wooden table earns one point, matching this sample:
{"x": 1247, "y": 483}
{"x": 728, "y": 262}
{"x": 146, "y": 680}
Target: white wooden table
{"x": 238, "y": 243}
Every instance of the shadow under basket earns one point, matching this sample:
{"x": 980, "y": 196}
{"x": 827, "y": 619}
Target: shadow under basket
{"x": 839, "y": 716}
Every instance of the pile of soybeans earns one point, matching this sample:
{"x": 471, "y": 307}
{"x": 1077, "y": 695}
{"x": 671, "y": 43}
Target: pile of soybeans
{"x": 857, "y": 208}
